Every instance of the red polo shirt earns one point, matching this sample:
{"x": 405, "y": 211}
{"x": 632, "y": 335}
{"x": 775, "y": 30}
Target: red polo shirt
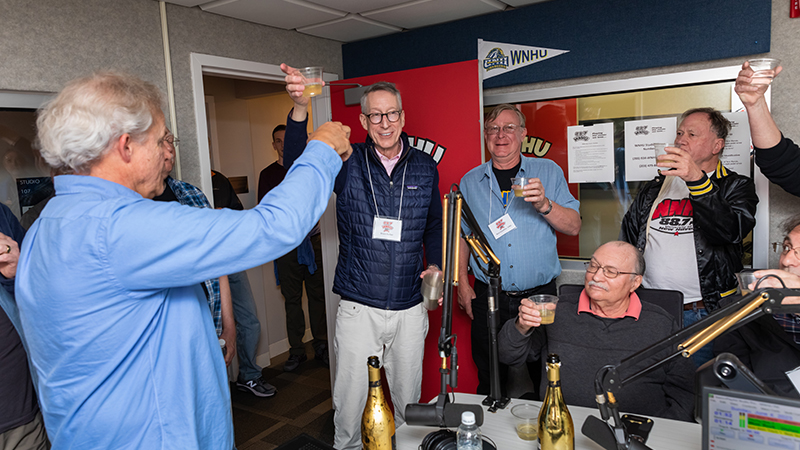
{"x": 634, "y": 307}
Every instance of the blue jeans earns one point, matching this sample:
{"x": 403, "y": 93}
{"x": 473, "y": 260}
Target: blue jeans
{"x": 248, "y": 328}
{"x": 705, "y": 353}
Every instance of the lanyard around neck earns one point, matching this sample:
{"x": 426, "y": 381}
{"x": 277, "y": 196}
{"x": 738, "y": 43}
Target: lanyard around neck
{"x": 508, "y": 205}
{"x": 372, "y": 188}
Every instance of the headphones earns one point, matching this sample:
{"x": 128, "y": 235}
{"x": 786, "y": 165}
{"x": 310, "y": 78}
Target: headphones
{"x": 445, "y": 439}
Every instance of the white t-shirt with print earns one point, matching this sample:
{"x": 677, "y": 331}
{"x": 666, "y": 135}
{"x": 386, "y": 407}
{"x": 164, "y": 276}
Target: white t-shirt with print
{"x": 670, "y": 253}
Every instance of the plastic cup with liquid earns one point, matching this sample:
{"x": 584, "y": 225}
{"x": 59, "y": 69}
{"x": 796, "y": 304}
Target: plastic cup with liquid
{"x": 764, "y": 69}
{"x": 660, "y": 149}
{"x": 312, "y": 79}
{"x": 746, "y": 278}
{"x": 518, "y": 185}
{"x": 546, "y": 304}
{"x": 526, "y": 418}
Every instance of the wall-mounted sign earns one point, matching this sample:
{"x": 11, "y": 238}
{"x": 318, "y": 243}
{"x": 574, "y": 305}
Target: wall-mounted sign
{"x": 498, "y": 58}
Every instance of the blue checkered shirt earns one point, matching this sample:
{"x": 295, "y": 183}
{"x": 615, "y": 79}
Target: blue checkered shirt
{"x": 192, "y": 196}
{"x": 791, "y": 324}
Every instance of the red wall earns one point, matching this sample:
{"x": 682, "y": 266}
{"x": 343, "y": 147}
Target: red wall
{"x": 442, "y": 104}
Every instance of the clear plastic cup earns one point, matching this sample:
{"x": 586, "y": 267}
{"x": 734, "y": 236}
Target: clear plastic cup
{"x": 518, "y": 184}
{"x": 660, "y": 149}
{"x": 312, "y": 78}
{"x": 526, "y": 418}
{"x": 764, "y": 69}
{"x": 746, "y": 278}
{"x": 546, "y": 304}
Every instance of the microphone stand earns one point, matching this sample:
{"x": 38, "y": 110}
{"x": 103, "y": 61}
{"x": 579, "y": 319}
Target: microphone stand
{"x": 455, "y": 209}
{"x": 683, "y": 343}
{"x": 480, "y": 249}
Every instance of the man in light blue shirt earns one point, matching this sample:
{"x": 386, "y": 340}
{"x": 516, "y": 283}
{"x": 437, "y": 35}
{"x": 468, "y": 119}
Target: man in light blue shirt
{"x": 118, "y": 328}
{"x": 520, "y": 230}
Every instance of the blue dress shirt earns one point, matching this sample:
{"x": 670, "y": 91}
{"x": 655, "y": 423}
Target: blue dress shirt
{"x": 528, "y": 255}
{"x": 118, "y": 328}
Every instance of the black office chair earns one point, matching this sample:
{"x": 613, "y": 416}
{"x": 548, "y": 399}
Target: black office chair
{"x": 670, "y": 301}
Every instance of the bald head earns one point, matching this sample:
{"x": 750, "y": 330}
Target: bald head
{"x": 614, "y": 273}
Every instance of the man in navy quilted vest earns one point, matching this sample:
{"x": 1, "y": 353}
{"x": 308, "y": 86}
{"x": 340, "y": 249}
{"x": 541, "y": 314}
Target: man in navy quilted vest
{"x": 389, "y": 214}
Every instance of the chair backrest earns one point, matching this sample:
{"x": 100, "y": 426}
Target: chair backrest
{"x": 670, "y": 301}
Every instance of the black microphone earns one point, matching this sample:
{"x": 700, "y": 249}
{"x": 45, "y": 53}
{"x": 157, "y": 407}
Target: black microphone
{"x": 602, "y": 433}
{"x": 425, "y": 414}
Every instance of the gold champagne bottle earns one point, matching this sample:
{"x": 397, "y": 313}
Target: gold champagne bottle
{"x": 377, "y": 422}
{"x": 556, "y": 431}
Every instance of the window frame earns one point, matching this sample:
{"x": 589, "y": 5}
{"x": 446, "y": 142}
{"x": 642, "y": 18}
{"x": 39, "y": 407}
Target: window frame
{"x": 662, "y": 81}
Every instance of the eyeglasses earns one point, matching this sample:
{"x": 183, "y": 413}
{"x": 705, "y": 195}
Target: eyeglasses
{"x": 787, "y": 247}
{"x": 169, "y": 139}
{"x": 507, "y": 129}
{"x": 610, "y": 272}
{"x": 391, "y": 116}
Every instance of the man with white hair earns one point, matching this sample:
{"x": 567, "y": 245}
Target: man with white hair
{"x": 118, "y": 329}
{"x": 602, "y": 325}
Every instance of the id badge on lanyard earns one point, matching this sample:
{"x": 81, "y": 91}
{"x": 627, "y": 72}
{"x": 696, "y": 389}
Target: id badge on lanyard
{"x": 387, "y": 229}
{"x": 502, "y": 226}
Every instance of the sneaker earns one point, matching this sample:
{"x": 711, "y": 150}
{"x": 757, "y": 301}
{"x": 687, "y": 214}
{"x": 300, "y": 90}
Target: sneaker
{"x": 322, "y": 355}
{"x": 258, "y": 387}
{"x": 294, "y": 361}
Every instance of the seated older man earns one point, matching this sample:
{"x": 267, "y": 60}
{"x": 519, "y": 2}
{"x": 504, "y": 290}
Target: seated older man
{"x": 602, "y": 325}
{"x": 108, "y": 283}
{"x": 770, "y": 345}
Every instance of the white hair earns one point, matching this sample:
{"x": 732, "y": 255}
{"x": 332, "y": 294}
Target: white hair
{"x": 80, "y": 124}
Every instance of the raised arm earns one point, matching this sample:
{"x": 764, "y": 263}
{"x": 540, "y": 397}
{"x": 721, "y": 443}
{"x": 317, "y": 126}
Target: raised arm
{"x": 763, "y": 130}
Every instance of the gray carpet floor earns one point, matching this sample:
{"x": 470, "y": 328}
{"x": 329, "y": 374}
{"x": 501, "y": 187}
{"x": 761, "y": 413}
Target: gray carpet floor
{"x": 302, "y": 405}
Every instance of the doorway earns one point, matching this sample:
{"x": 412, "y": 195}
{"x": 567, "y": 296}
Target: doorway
{"x": 237, "y": 105}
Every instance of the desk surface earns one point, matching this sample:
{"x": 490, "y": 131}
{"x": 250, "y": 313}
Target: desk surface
{"x": 666, "y": 434}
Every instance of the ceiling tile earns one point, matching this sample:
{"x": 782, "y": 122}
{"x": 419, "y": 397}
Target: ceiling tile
{"x": 358, "y": 6}
{"x": 423, "y": 13}
{"x": 187, "y": 3}
{"x": 284, "y": 14}
{"x": 349, "y": 29}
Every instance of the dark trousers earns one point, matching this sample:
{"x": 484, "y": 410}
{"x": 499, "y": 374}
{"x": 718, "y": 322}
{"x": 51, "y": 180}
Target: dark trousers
{"x": 507, "y": 309}
{"x": 292, "y": 275}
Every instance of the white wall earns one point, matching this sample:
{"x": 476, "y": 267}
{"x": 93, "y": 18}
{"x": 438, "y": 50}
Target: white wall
{"x": 244, "y": 135}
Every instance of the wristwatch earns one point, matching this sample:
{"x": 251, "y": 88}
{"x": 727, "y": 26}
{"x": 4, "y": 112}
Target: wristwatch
{"x": 549, "y": 207}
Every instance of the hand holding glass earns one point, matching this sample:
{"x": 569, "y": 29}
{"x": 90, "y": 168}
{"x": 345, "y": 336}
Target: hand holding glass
{"x": 546, "y": 305}
{"x": 518, "y": 184}
{"x": 432, "y": 286}
{"x": 746, "y": 278}
{"x": 660, "y": 149}
{"x": 763, "y": 69}
{"x": 312, "y": 79}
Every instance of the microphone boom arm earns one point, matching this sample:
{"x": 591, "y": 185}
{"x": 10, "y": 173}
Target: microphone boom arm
{"x": 684, "y": 343}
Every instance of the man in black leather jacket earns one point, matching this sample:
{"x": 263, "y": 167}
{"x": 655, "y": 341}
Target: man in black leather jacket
{"x": 690, "y": 220}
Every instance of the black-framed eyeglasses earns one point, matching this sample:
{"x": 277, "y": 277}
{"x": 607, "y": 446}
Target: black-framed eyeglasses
{"x": 391, "y": 116}
{"x": 507, "y": 129}
{"x": 610, "y": 272}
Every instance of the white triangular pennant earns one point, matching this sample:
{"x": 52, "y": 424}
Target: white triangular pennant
{"x": 498, "y": 58}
